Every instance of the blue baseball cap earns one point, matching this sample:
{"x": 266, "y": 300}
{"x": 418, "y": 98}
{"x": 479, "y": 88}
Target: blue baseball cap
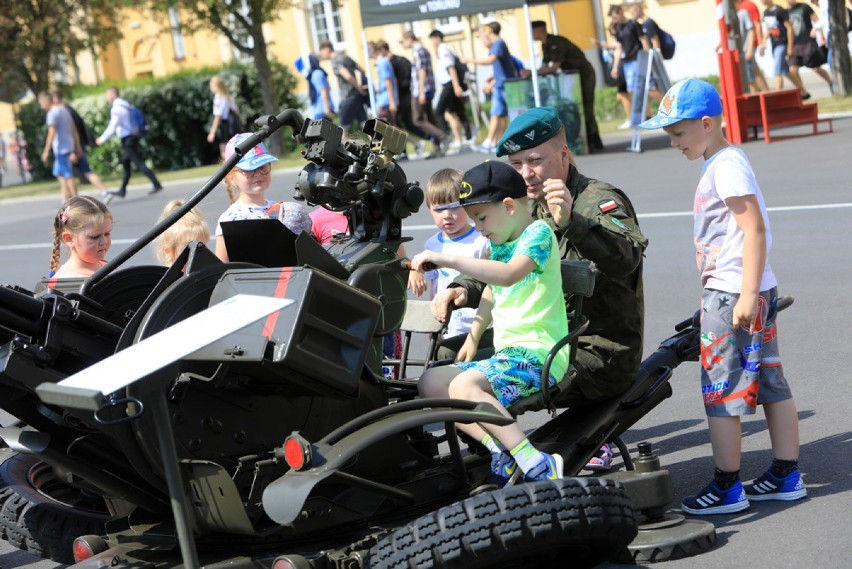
{"x": 687, "y": 99}
{"x": 254, "y": 158}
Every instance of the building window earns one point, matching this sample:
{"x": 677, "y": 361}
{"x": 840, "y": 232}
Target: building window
{"x": 325, "y": 22}
{"x": 241, "y": 33}
{"x": 177, "y": 36}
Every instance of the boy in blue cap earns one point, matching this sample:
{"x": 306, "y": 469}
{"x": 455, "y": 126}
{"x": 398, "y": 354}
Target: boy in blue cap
{"x": 740, "y": 364}
{"x": 523, "y": 298}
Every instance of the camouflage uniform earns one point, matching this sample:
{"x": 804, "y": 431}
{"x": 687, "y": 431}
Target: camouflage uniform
{"x": 603, "y": 229}
{"x": 571, "y": 58}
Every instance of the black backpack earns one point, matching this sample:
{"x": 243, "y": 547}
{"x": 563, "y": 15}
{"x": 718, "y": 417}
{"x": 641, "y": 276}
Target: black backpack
{"x": 462, "y": 71}
{"x": 86, "y": 135}
{"x": 402, "y": 69}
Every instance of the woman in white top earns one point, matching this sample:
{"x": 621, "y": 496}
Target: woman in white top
{"x": 225, "y": 114}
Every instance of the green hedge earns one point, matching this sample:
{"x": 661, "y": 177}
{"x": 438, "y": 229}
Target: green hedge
{"x": 179, "y": 113}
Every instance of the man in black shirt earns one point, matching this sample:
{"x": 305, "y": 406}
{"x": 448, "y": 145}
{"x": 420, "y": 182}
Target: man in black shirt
{"x": 560, "y": 54}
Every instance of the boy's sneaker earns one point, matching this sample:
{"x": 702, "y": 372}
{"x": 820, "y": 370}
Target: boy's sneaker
{"x": 767, "y": 487}
{"x": 602, "y": 461}
{"x": 485, "y": 147}
{"x": 712, "y": 500}
{"x": 549, "y": 469}
{"x": 504, "y": 470}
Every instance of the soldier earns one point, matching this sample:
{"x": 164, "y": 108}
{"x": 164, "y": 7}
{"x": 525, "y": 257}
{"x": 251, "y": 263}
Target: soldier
{"x": 561, "y": 54}
{"x": 592, "y": 220}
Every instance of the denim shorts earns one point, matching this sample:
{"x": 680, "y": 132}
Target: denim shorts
{"x": 739, "y": 370}
{"x": 62, "y": 166}
{"x": 779, "y": 55}
{"x": 498, "y": 103}
{"x": 631, "y": 74}
{"x": 514, "y": 373}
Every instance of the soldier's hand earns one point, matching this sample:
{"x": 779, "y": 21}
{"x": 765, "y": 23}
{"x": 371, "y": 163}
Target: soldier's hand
{"x": 441, "y": 303}
{"x": 559, "y": 201}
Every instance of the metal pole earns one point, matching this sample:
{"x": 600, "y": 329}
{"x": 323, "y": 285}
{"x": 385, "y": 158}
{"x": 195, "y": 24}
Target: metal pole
{"x": 553, "y": 23}
{"x": 536, "y": 94}
{"x": 171, "y": 468}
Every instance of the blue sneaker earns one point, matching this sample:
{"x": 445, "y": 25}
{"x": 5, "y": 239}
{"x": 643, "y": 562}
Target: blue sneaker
{"x": 549, "y": 469}
{"x": 712, "y": 500}
{"x": 504, "y": 470}
{"x": 767, "y": 487}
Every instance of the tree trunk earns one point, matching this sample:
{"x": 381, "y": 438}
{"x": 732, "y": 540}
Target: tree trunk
{"x": 268, "y": 89}
{"x": 841, "y": 71}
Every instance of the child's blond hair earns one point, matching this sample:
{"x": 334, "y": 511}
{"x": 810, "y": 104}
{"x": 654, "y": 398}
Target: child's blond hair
{"x": 77, "y": 213}
{"x": 443, "y": 187}
{"x": 190, "y": 227}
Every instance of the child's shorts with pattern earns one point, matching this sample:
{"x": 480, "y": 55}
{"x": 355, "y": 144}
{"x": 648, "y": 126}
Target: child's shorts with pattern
{"x": 514, "y": 373}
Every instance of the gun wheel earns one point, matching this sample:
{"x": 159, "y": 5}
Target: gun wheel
{"x": 41, "y": 514}
{"x": 585, "y": 520}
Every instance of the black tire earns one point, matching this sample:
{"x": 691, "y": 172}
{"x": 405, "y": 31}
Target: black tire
{"x": 579, "y": 521}
{"x": 40, "y": 514}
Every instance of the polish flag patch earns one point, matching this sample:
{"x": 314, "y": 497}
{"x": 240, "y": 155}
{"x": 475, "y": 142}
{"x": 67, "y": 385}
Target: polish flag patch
{"x": 608, "y": 206}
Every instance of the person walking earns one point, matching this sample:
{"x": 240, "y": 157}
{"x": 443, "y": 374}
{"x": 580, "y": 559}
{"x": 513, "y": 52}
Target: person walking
{"x": 450, "y": 107}
{"x": 422, "y": 93}
{"x": 62, "y": 139}
{"x": 83, "y": 135}
{"x": 121, "y": 125}
{"x": 319, "y": 91}
{"x": 226, "y": 115}
{"x": 631, "y": 40}
{"x": 561, "y": 54}
{"x": 351, "y": 86}
{"x": 504, "y": 68}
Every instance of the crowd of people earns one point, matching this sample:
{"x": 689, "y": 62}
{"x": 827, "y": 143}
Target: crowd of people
{"x": 426, "y": 91}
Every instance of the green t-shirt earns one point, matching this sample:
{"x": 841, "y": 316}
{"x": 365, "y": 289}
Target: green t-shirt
{"x": 531, "y": 313}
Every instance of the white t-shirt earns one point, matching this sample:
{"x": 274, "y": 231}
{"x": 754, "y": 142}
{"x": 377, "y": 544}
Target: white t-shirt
{"x": 221, "y": 107}
{"x": 718, "y": 238}
{"x": 471, "y": 244}
{"x": 445, "y": 59}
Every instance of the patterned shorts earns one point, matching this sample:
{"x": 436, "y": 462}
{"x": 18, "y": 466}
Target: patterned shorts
{"x": 514, "y": 373}
{"x": 739, "y": 370}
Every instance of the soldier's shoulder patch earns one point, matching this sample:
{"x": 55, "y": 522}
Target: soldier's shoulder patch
{"x": 607, "y": 206}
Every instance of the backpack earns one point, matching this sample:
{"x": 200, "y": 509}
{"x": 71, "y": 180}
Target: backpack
{"x": 402, "y": 69}
{"x": 138, "y": 123}
{"x": 462, "y": 71}
{"x": 87, "y": 137}
{"x": 667, "y": 44}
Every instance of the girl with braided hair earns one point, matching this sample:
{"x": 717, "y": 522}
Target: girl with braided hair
{"x": 84, "y": 225}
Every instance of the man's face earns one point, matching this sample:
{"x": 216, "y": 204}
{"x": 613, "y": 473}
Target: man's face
{"x": 407, "y": 42}
{"x": 325, "y": 53}
{"x": 543, "y": 162}
{"x": 539, "y": 34}
{"x": 45, "y": 103}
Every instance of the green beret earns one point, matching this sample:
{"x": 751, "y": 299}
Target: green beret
{"x": 529, "y": 129}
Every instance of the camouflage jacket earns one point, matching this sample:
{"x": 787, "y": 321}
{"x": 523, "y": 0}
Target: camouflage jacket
{"x": 603, "y": 229}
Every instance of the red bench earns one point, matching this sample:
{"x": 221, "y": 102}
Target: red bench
{"x": 776, "y": 109}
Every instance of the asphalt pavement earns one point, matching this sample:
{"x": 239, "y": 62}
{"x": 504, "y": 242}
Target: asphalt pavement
{"x": 808, "y": 190}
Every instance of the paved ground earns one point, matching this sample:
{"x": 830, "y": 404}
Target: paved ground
{"x": 809, "y": 193}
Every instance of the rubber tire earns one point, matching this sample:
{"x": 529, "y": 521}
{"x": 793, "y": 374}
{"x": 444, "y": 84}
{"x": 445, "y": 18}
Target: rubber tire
{"x": 580, "y": 520}
{"x": 34, "y": 522}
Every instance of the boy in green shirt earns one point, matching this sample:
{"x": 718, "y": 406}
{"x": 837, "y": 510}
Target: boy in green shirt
{"x": 523, "y": 299}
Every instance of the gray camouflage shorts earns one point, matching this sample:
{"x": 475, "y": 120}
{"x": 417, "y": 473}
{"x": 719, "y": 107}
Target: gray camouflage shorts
{"x": 739, "y": 370}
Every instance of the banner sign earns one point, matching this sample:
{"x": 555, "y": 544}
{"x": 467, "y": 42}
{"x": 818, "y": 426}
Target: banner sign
{"x": 381, "y": 12}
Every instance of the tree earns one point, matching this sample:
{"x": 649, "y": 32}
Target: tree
{"x": 241, "y": 22}
{"x": 39, "y": 38}
{"x": 841, "y": 71}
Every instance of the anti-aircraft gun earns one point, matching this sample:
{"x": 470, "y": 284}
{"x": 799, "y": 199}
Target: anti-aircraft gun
{"x": 229, "y": 413}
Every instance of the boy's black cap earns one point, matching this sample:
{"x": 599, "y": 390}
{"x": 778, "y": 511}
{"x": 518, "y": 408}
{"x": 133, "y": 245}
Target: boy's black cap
{"x": 490, "y": 182}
